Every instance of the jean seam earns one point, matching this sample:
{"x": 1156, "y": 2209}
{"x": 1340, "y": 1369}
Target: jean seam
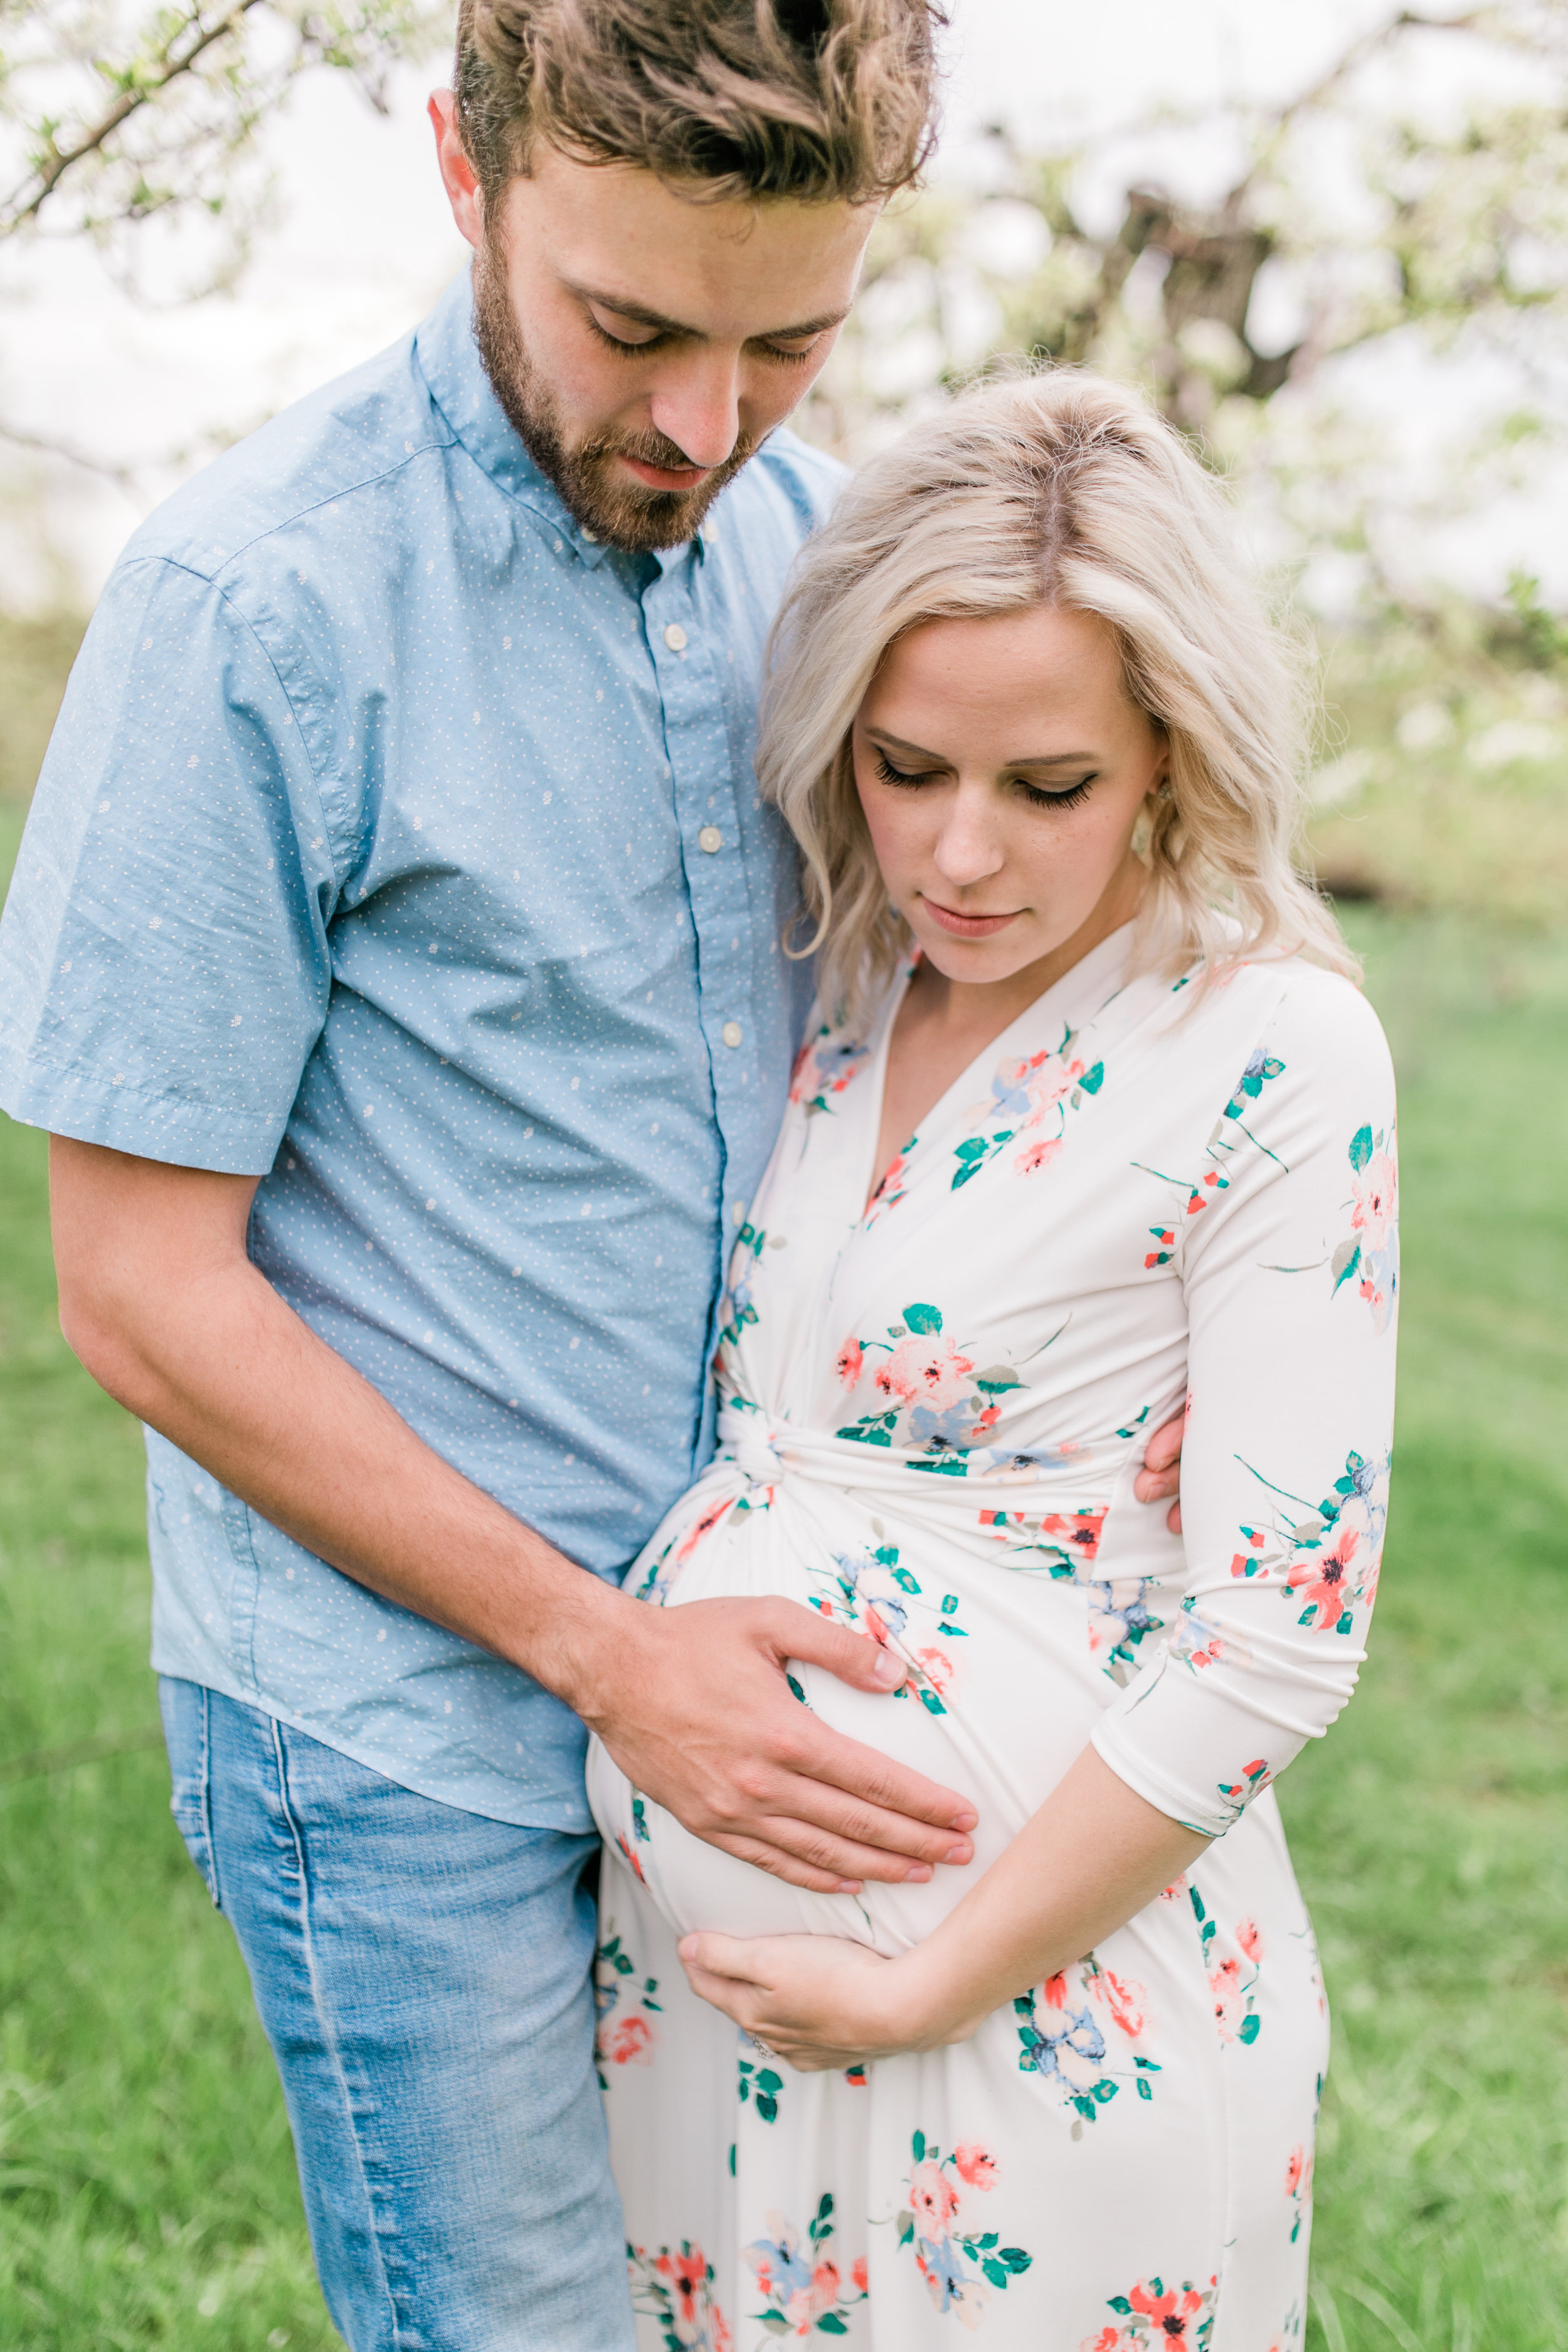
{"x": 324, "y": 2019}
{"x": 205, "y": 1784}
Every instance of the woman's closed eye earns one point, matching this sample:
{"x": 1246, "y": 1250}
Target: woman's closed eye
{"x": 1058, "y": 796}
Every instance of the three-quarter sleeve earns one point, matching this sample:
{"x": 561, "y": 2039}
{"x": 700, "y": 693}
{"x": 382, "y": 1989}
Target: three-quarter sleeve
{"x": 1289, "y": 1263}
{"x": 164, "y": 967}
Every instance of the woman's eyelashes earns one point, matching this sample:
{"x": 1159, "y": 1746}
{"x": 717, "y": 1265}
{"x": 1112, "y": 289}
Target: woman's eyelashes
{"x": 1038, "y": 796}
{"x": 1065, "y": 796}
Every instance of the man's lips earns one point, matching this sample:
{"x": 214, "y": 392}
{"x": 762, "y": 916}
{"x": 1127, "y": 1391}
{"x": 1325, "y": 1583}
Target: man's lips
{"x": 968, "y": 926}
{"x": 666, "y": 477}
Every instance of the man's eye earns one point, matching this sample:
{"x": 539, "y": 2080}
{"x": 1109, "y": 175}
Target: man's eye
{"x": 623, "y": 343}
{"x": 792, "y": 357}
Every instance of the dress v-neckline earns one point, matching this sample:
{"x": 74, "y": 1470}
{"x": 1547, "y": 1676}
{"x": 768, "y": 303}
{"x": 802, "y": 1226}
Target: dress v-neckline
{"x": 876, "y": 1093}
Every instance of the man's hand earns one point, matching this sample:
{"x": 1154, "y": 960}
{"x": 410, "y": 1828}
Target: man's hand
{"x": 692, "y": 1702}
{"x": 1162, "y": 1472}
{"x": 163, "y": 1306}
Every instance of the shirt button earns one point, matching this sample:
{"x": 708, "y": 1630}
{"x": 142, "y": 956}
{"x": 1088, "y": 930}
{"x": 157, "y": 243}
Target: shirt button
{"x": 711, "y": 838}
{"x": 675, "y": 637}
{"x": 730, "y": 1033}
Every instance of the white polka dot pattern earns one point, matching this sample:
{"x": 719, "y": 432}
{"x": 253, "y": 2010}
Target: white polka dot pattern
{"x": 366, "y": 859}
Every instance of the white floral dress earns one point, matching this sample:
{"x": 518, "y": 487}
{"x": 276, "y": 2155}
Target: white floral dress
{"x": 934, "y": 1409}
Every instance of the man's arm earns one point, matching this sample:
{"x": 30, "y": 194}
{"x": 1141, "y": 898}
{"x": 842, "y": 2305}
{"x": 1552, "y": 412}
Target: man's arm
{"x": 160, "y": 1302}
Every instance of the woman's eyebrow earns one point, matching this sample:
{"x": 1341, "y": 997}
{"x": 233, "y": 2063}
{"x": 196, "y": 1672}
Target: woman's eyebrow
{"x": 940, "y": 759}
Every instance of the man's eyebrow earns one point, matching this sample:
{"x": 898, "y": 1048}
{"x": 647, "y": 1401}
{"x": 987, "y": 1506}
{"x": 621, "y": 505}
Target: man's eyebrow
{"x": 939, "y": 760}
{"x": 643, "y": 316}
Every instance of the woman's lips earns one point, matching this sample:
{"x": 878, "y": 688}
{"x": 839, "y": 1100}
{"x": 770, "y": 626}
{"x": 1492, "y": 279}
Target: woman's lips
{"x": 666, "y": 477}
{"x": 969, "y": 927}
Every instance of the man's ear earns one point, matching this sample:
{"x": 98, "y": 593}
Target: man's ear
{"x": 463, "y": 191}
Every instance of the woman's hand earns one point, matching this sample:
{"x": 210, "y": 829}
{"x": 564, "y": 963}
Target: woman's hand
{"x": 817, "y": 2001}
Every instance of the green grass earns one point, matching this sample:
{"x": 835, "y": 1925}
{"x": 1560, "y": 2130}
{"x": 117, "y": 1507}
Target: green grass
{"x": 147, "y": 2187}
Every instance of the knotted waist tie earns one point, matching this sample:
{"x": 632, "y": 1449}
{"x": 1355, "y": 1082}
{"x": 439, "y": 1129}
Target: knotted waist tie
{"x": 765, "y": 1449}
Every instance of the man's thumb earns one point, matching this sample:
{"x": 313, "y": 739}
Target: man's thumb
{"x": 864, "y": 1663}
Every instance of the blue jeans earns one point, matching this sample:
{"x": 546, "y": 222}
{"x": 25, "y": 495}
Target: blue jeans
{"x": 423, "y": 1978}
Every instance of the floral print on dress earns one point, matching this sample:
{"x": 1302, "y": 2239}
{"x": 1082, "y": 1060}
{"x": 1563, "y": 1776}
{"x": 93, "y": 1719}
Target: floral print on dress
{"x": 1329, "y": 1558}
{"x": 932, "y": 1400}
{"x": 1064, "y": 2040}
{"x": 823, "y": 1068}
{"x": 1233, "y": 1976}
{"x": 873, "y": 1592}
{"x": 675, "y": 2286}
{"x": 961, "y": 2267}
{"x": 1030, "y": 1099}
{"x": 1369, "y": 1255}
{"x": 1151, "y": 2314}
{"x": 624, "y": 2030}
{"x": 803, "y": 2289}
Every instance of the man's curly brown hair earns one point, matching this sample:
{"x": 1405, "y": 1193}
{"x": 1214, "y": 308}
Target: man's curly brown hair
{"x": 820, "y": 100}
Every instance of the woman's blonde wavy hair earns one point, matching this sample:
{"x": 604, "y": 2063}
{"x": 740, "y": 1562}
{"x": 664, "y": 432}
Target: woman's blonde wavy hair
{"x": 1055, "y": 489}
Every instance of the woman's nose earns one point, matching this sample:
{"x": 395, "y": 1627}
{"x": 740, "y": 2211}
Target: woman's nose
{"x": 969, "y": 849}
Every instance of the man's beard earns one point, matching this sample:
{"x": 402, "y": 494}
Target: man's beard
{"x": 606, "y": 504}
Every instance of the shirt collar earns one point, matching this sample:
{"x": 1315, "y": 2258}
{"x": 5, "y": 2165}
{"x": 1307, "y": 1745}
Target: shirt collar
{"x": 448, "y": 358}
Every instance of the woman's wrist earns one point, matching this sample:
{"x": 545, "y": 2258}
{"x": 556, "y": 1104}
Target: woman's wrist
{"x": 933, "y": 1995}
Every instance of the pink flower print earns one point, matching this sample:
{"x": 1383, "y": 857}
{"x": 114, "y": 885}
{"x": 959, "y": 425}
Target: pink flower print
{"x": 1127, "y": 2002}
{"x": 718, "y": 2330}
{"x": 975, "y": 2164}
{"x": 685, "y": 2273}
{"x": 1241, "y": 1563}
{"x": 703, "y": 1525}
{"x": 1054, "y": 1992}
{"x": 1229, "y": 1999}
{"x": 1325, "y": 1579}
{"x": 824, "y": 2287}
{"x": 1374, "y": 1190}
{"x": 938, "y": 1669}
{"x": 631, "y": 2043}
{"x": 928, "y": 1366}
{"x": 848, "y": 1361}
{"x": 857, "y": 2273}
{"x": 1297, "y": 2173}
{"x": 629, "y": 1857}
{"x": 933, "y": 2199}
{"x": 1039, "y": 1155}
{"x": 1249, "y": 1936}
{"x": 1175, "y": 1891}
{"x": 1170, "y": 2314}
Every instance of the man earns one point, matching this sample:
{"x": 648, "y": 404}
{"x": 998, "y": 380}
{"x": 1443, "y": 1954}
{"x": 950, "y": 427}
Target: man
{"x": 394, "y": 957}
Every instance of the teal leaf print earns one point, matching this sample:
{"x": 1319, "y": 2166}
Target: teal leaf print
{"x": 997, "y": 1380}
{"x": 1346, "y": 1262}
{"x": 1361, "y": 1148}
{"x": 1092, "y": 1080}
{"x": 923, "y": 1319}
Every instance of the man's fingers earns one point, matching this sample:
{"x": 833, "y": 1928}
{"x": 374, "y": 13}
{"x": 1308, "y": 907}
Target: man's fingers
{"x": 863, "y": 1663}
{"x": 1173, "y": 1518}
{"x": 902, "y": 1799}
{"x": 1153, "y": 1486}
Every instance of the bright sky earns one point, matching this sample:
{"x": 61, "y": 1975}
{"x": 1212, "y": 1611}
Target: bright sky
{"x": 362, "y": 241}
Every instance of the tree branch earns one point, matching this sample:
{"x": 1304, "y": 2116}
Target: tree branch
{"x": 169, "y": 63}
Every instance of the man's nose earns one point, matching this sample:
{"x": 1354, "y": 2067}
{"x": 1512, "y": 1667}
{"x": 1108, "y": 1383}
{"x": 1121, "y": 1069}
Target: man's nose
{"x": 699, "y": 407}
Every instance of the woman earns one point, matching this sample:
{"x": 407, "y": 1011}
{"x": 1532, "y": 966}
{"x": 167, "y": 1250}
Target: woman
{"x": 1095, "y": 1119}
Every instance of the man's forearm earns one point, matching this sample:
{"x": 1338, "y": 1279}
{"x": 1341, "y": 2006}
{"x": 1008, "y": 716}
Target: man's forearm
{"x": 223, "y": 1368}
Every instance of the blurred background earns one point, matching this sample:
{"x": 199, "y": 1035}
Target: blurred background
{"x": 1332, "y": 244}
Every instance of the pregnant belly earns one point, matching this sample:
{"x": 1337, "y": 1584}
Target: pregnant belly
{"x": 1001, "y": 1698}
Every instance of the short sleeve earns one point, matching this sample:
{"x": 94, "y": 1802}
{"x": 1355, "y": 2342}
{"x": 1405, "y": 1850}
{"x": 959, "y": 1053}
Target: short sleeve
{"x": 164, "y": 961}
{"x": 1289, "y": 1269}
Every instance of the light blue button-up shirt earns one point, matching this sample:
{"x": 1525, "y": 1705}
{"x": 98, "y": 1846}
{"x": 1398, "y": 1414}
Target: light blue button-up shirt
{"x": 400, "y": 843}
